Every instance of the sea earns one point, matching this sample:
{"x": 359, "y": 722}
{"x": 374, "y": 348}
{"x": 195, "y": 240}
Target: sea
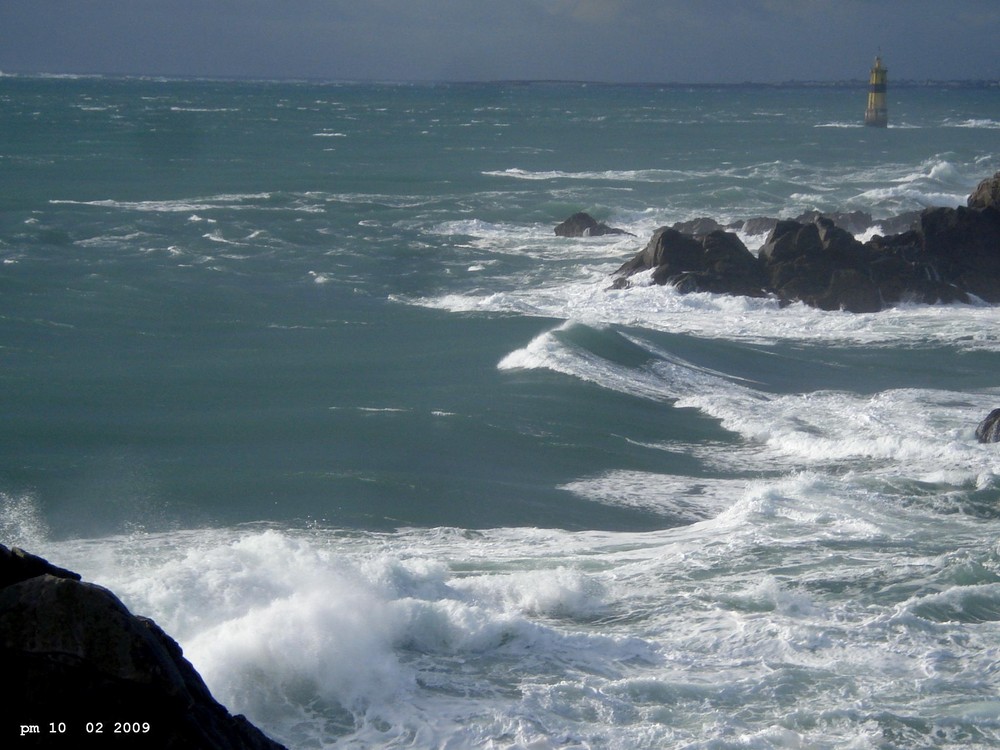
{"x": 301, "y": 371}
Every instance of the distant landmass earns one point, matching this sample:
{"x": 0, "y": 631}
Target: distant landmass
{"x": 848, "y": 83}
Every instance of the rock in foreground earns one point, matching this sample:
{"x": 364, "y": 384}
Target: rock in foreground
{"x": 86, "y": 671}
{"x": 986, "y": 194}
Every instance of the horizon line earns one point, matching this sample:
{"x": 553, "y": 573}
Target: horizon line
{"x": 486, "y": 81}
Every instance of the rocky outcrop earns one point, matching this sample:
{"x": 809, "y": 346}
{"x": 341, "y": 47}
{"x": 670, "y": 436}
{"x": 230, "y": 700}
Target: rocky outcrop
{"x": 952, "y": 255}
{"x": 988, "y": 430}
{"x": 856, "y": 222}
{"x": 819, "y": 264}
{"x": 16, "y": 565}
{"x": 699, "y": 227}
{"x": 76, "y": 658}
{"x": 718, "y": 262}
{"x": 986, "y": 194}
{"x": 963, "y": 247}
{"x": 584, "y": 225}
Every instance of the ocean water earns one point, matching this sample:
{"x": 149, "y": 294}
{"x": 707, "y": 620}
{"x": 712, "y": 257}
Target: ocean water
{"x": 301, "y": 371}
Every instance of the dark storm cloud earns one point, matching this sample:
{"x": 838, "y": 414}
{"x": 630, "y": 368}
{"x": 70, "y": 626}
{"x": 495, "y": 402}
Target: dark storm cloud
{"x": 615, "y": 40}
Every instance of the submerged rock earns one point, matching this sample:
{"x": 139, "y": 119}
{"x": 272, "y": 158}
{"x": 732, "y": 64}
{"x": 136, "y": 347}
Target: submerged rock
{"x": 584, "y": 225}
{"x": 75, "y": 655}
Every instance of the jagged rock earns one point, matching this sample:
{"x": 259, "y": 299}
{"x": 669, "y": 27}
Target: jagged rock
{"x": 840, "y": 244}
{"x": 16, "y": 565}
{"x": 852, "y": 291}
{"x": 74, "y": 654}
{"x": 664, "y": 247}
{"x": 819, "y": 264}
{"x": 949, "y": 255}
{"x": 963, "y": 246}
{"x": 717, "y": 262}
{"x": 988, "y": 430}
{"x": 757, "y": 225}
{"x": 584, "y": 225}
{"x": 698, "y": 227}
{"x": 904, "y": 271}
{"x": 730, "y": 268}
{"x": 789, "y": 241}
{"x": 900, "y": 223}
{"x": 986, "y": 194}
{"x": 854, "y": 222}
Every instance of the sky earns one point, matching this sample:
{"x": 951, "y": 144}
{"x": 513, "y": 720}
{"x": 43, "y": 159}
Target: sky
{"x": 661, "y": 41}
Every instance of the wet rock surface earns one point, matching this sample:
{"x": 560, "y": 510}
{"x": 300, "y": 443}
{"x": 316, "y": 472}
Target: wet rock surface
{"x": 87, "y": 672}
{"x": 949, "y": 255}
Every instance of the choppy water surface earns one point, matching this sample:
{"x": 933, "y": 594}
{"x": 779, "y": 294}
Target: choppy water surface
{"x": 301, "y": 372}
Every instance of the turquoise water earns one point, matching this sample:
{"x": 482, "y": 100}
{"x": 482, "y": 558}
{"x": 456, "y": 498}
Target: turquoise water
{"x": 302, "y": 372}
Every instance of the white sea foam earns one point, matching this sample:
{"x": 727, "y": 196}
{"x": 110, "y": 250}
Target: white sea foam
{"x": 277, "y": 622}
{"x": 588, "y": 299}
{"x": 229, "y": 202}
{"x": 915, "y": 427}
{"x": 22, "y": 522}
{"x": 629, "y": 175}
{"x": 930, "y": 432}
{"x": 684, "y": 499}
{"x": 783, "y": 603}
{"x": 937, "y": 182}
{"x": 549, "y": 351}
{"x": 178, "y": 108}
{"x": 371, "y": 409}
{"x": 981, "y": 122}
{"x": 216, "y": 236}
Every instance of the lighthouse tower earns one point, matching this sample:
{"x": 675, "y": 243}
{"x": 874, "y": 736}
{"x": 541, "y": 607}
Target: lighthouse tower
{"x": 877, "y": 113}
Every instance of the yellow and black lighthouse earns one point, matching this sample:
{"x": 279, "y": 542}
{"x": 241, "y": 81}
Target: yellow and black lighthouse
{"x": 877, "y": 113}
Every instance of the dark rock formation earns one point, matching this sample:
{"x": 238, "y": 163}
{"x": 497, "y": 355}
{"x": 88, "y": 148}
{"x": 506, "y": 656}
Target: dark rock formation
{"x": 904, "y": 222}
{"x": 904, "y": 272}
{"x": 851, "y": 290}
{"x": 718, "y": 262}
{"x": 963, "y": 246}
{"x": 585, "y": 225}
{"x": 16, "y": 565}
{"x": 758, "y": 225}
{"x": 76, "y": 658}
{"x": 854, "y": 222}
{"x": 986, "y": 194}
{"x": 988, "y": 430}
{"x": 699, "y": 227}
{"x": 951, "y": 255}
{"x": 819, "y": 264}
